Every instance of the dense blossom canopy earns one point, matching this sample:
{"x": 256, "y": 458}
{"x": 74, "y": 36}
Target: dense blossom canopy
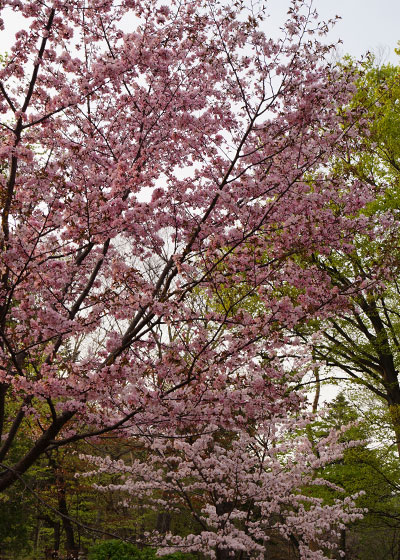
{"x": 159, "y": 165}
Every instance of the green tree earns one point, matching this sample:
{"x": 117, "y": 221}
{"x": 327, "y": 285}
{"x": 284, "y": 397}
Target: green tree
{"x": 369, "y": 469}
{"x": 362, "y": 339}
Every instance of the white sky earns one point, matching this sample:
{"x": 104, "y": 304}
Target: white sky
{"x": 366, "y": 24}
{"x": 372, "y": 25}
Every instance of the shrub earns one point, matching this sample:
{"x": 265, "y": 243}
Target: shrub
{"x": 119, "y": 550}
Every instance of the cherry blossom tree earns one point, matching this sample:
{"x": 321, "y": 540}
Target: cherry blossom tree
{"x": 247, "y": 487}
{"x": 154, "y": 157}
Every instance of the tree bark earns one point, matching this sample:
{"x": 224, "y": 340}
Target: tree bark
{"x": 163, "y": 522}
{"x": 11, "y": 474}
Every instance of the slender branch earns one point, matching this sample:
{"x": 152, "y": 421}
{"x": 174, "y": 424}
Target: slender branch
{"x": 14, "y": 429}
{"x": 7, "y": 98}
{"x": 40, "y": 58}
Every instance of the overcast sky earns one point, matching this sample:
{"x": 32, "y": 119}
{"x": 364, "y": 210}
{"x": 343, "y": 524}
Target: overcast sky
{"x": 365, "y": 25}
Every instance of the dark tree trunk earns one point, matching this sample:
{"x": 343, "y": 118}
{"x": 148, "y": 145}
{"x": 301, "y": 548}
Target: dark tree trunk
{"x": 163, "y": 522}
{"x": 10, "y": 475}
{"x": 343, "y": 543}
{"x": 63, "y": 509}
{"x": 57, "y": 536}
{"x": 62, "y": 505}
{"x": 223, "y": 554}
{"x": 222, "y": 509}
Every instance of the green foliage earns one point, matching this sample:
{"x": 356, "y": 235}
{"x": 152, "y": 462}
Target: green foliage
{"x": 370, "y": 470}
{"x": 377, "y": 160}
{"x": 119, "y": 550}
{"x": 15, "y": 530}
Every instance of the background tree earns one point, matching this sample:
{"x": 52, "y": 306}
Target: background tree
{"x": 370, "y": 469}
{"x": 244, "y": 488}
{"x": 363, "y": 339}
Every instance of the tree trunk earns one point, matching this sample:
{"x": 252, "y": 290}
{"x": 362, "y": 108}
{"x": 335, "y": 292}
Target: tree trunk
{"x": 222, "y": 554}
{"x": 163, "y": 522}
{"x": 63, "y": 509}
{"x": 393, "y": 392}
{"x": 57, "y": 534}
{"x": 343, "y": 543}
{"x": 62, "y": 504}
{"x": 222, "y": 509}
{"x": 394, "y": 413}
{"x": 11, "y": 474}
